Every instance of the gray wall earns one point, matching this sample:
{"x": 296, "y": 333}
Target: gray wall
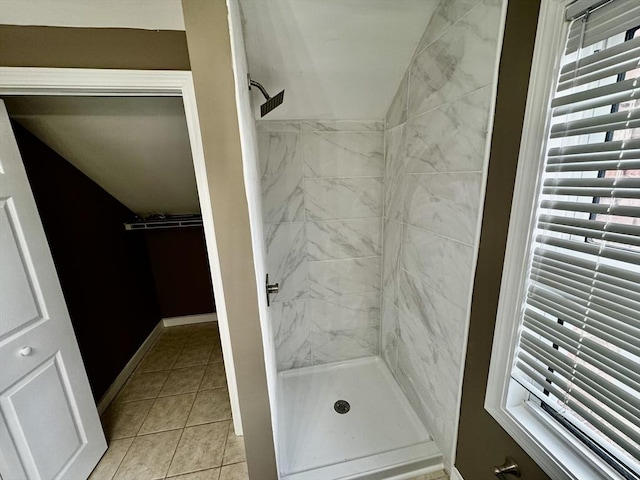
{"x": 322, "y": 202}
{"x": 435, "y": 147}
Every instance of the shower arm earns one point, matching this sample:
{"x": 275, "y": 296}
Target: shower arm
{"x": 253, "y": 83}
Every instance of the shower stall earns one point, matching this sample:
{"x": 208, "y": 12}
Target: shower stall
{"x": 369, "y": 226}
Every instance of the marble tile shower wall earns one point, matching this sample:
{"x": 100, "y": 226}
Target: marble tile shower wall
{"x": 322, "y": 199}
{"x": 436, "y": 131}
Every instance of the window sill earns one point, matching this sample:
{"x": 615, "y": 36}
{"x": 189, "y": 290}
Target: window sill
{"x": 557, "y": 452}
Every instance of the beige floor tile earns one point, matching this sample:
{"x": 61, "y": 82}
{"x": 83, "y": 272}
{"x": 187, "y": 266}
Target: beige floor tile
{"x": 200, "y": 448}
{"x": 203, "y": 334}
{"x": 214, "y": 377}
{"x": 149, "y": 456}
{"x": 237, "y": 471}
{"x": 159, "y": 358}
{"x": 123, "y": 420}
{"x": 234, "y": 450}
{"x": 210, "y": 406}
{"x": 111, "y": 460}
{"x": 212, "y": 474}
{"x": 168, "y": 413}
{"x": 142, "y": 386}
{"x": 194, "y": 355}
{"x": 183, "y": 380}
{"x": 176, "y": 335}
{"x": 216, "y": 355}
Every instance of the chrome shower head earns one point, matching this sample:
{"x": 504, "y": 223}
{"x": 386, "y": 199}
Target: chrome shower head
{"x": 271, "y": 103}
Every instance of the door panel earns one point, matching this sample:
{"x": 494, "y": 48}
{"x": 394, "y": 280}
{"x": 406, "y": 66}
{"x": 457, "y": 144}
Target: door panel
{"x": 16, "y": 278}
{"x": 49, "y": 422}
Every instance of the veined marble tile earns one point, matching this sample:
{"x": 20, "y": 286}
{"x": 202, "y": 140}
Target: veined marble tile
{"x": 390, "y": 333}
{"x": 345, "y": 312}
{"x": 444, "y": 203}
{"x": 435, "y": 376}
{"x": 397, "y": 112}
{"x": 443, "y": 321}
{"x": 277, "y": 126}
{"x": 343, "y": 198}
{"x": 394, "y": 171}
{"x": 334, "y": 239}
{"x": 406, "y": 377}
{"x": 343, "y": 154}
{"x": 292, "y": 329}
{"x": 344, "y": 345}
{"x": 344, "y": 277}
{"x": 460, "y": 61}
{"x": 282, "y": 173}
{"x": 441, "y": 264}
{"x": 450, "y": 138}
{"x": 447, "y": 14}
{"x": 341, "y": 126}
{"x": 391, "y": 260}
{"x": 287, "y": 259}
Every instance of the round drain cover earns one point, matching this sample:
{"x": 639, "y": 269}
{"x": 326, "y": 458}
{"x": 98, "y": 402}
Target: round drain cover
{"x": 341, "y": 406}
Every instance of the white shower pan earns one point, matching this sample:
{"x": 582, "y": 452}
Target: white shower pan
{"x": 380, "y": 437}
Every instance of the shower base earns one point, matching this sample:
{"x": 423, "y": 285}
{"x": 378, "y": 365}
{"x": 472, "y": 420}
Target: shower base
{"x": 379, "y": 437}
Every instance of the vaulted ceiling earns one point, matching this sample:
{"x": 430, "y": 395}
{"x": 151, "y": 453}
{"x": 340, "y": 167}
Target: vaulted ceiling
{"x": 136, "y": 148}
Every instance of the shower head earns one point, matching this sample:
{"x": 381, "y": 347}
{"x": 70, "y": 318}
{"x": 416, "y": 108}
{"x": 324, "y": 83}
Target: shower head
{"x": 271, "y": 103}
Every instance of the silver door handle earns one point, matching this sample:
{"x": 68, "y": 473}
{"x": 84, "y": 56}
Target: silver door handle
{"x": 509, "y": 467}
{"x": 272, "y": 289}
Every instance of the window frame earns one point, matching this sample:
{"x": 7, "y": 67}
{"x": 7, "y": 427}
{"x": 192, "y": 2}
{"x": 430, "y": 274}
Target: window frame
{"x": 551, "y": 446}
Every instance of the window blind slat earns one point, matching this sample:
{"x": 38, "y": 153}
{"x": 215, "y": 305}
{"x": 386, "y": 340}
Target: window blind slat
{"x": 620, "y": 308}
{"x": 594, "y": 166}
{"x": 575, "y": 314}
{"x": 611, "y": 362}
{"x": 618, "y": 146}
{"x": 605, "y": 391}
{"x": 617, "y": 17}
{"x": 622, "y": 228}
{"x": 626, "y": 256}
{"x": 622, "y": 210}
{"x": 609, "y": 55}
{"x": 541, "y": 377}
{"x": 583, "y": 76}
{"x": 592, "y": 399}
{"x": 596, "y": 124}
{"x": 611, "y": 275}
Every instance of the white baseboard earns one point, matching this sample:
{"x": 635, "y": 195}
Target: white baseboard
{"x": 190, "y": 319}
{"x": 455, "y": 474}
{"x": 126, "y": 372}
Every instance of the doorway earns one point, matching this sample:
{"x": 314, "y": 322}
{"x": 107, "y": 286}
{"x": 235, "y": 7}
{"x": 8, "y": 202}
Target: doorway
{"x": 166, "y": 84}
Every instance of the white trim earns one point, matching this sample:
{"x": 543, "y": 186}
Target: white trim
{"x": 190, "y": 319}
{"x": 455, "y": 474}
{"x": 95, "y": 82}
{"x": 128, "y": 369}
{"x": 549, "y": 445}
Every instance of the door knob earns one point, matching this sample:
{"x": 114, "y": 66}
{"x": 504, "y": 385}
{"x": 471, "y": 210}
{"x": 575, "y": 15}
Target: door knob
{"x": 272, "y": 288}
{"x": 509, "y": 467}
{"x": 25, "y": 351}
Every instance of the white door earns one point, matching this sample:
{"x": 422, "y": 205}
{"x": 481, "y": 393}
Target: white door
{"x": 49, "y": 425}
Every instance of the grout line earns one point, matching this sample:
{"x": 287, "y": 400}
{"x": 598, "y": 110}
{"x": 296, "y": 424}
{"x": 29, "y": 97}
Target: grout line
{"x": 418, "y": 53}
{"x": 352, "y": 177}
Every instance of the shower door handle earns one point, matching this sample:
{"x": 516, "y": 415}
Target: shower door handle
{"x": 271, "y": 289}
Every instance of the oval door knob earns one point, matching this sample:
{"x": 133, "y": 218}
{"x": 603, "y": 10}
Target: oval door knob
{"x": 509, "y": 467}
{"x": 25, "y": 351}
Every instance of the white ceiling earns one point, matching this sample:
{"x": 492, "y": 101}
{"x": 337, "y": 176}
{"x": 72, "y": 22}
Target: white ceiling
{"x": 335, "y": 59}
{"x": 137, "y": 149}
{"x": 144, "y": 14}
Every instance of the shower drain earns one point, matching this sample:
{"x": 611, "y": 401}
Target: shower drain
{"x": 341, "y": 406}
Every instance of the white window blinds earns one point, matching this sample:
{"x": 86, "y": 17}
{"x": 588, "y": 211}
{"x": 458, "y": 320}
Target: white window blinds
{"x": 579, "y": 345}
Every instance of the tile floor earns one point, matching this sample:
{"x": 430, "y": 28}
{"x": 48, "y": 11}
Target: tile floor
{"x": 172, "y": 419}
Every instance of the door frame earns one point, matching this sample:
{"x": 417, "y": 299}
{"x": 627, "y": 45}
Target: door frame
{"x": 38, "y": 81}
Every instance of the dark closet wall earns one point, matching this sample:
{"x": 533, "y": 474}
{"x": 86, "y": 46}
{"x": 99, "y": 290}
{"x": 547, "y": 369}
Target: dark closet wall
{"x": 181, "y": 271}
{"x": 104, "y": 270}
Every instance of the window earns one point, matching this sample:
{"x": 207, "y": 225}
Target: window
{"x": 565, "y": 373}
